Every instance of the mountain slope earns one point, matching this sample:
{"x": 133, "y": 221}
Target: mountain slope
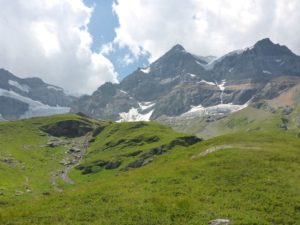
{"x": 23, "y": 98}
{"x": 249, "y": 177}
{"x": 179, "y": 81}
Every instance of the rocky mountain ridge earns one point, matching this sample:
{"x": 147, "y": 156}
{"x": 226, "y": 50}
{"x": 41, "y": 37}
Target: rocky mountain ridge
{"x": 180, "y": 82}
{"x": 24, "y": 98}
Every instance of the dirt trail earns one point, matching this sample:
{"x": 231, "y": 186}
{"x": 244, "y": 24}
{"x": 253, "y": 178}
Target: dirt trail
{"x": 76, "y": 152}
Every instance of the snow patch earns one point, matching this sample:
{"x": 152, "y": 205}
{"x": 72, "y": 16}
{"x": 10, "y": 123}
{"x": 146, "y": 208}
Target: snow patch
{"x": 217, "y": 110}
{"x": 146, "y": 105}
{"x": 36, "y": 108}
{"x": 146, "y": 70}
{"x": 192, "y": 75}
{"x": 21, "y": 87}
{"x": 221, "y": 86}
{"x": 124, "y": 92}
{"x": 133, "y": 115}
{"x": 54, "y": 88}
{"x": 136, "y": 114}
{"x": 206, "y": 82}
{"x": 267, "y": 72}
{"x": 201, "y": 64}
{"x": 278, "y": 60}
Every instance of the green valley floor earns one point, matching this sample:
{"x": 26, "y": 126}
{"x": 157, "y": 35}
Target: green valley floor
{"x": 71, "y": 170}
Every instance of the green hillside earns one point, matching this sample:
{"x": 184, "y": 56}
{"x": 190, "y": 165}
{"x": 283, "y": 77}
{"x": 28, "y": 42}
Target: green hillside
{"x": 97, "y": 172}
{"x": 247, "y": 119}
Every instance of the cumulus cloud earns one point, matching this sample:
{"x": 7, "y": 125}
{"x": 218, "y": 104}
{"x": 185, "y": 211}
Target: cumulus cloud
{"x": 50, "y": 39}
{"x": 204, "y": 27}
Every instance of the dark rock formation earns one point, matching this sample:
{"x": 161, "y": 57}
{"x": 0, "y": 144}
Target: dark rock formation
{"x": 98, "y": 165}
{"x": 68, "y": 128}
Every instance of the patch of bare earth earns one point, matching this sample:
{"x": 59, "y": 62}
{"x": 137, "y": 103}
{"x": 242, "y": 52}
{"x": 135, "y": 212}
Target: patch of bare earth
{"x": 286, "y": 98}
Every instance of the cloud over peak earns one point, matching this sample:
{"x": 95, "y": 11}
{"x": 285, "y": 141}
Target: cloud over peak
{"x": 205, "y": 27}
{"x": 50, "y": 39}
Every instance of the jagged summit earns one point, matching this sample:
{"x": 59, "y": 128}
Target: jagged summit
{"x": 267, "y": 47}
{"x": 177, "y": 47}
{"x": 264, "y": 42}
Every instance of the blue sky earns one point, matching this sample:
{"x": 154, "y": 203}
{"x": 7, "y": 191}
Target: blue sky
{"x": 102, "y": 27}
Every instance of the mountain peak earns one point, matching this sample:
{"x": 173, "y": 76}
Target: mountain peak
{"x": 177, "y": 47}
{"x": 264, "y": 42}
{"x": 267, "y": 47}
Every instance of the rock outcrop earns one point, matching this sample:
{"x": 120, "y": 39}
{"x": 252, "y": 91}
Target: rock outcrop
{"x": 68, "y": 128}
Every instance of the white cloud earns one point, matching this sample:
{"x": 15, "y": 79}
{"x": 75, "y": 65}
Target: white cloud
{"x": 49, "y": 39}
{"x": 204, "y": 27}
{"x": 127, "y": 60}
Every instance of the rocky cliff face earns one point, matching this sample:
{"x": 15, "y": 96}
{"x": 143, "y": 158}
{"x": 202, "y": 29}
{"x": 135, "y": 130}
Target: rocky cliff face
{"x": 23, "y": 98}
{"x": 105, "y": 103}
{"x": 180, "y": 82}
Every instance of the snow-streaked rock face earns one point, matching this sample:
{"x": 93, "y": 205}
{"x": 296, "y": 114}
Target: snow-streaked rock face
{"x": 23, "y": 87}
{"x": 54, "y": 88}
{"x": 35, "y": 108}
{"x": 221, "y": 86}
{"x": 217, "y": 110}
{"x": 180, "y": 79}
{"x": 27, "y": 97}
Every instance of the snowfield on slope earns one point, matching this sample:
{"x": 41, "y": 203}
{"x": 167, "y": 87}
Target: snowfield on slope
{"x": 36, "y": 108}
{"x": 136, "y": 114}
{"x": 217, "y": 110}
{"x": 24, "y": 87}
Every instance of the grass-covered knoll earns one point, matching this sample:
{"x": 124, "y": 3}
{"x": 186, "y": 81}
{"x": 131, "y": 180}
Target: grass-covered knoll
{"x": 252, "y": 177}
{"x": 129, "y": 145}
{"x": 30, "y": 158}
{"x": 26, "y": 162}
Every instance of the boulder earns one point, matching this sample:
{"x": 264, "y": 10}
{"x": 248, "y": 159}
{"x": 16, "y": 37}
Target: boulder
{"x": 54, "y": 143}
{"x": 74, "y": 150}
